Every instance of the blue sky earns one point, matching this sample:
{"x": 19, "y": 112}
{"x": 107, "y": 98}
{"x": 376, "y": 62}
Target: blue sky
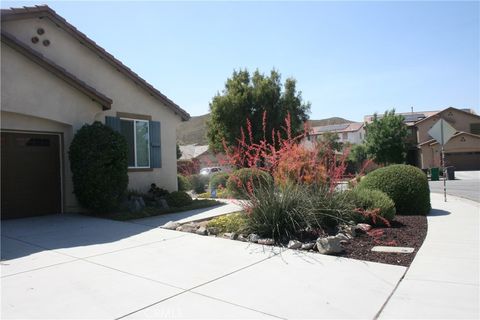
{"x": 349, "y": 58}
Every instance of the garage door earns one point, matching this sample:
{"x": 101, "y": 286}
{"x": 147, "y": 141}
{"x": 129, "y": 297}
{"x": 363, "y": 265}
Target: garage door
{"x": 463, "y": 160}
{"x": 31, "y": 180}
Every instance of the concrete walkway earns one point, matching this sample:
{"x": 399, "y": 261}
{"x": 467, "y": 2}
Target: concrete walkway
{"x": 443, "y": 280}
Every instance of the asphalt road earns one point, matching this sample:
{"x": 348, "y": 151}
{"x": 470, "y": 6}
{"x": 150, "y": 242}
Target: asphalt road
{"x": 465, "y": 185}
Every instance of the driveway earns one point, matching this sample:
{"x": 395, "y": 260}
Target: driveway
{"x": 465, "y": 185}
{"x": 72, "y": 266}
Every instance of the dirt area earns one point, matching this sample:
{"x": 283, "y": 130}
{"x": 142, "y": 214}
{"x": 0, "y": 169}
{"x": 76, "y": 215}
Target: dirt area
{"x": 406, "y": 231}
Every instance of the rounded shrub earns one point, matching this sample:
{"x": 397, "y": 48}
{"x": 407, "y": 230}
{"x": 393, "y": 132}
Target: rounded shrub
{"x": 178, "y": 199}
{"x": 198, "y": 183}
{"x": 406, "y": 185}
{"x": 238, "y": 182}
{"x": 98, "y": 160}
{"x": 218, "y": 179}
{"x": 370, "y": 199}
{"x": 183, "y": 183}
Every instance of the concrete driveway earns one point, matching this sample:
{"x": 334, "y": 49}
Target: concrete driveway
{"x": 72, "y": 266}
{"x": 465, "y": 185}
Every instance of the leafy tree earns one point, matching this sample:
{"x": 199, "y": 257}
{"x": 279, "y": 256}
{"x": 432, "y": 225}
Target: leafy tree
{"x": 331, "y": 141}
{"x": 261, "y": 99}
{"x": 179, "y": 152}
{"x": 386, "y": 138}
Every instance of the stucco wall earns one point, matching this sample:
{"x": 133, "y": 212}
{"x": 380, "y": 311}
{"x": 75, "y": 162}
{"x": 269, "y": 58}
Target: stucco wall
{"x": 127, "y": 96}
{"x": 459, "y": 120}
{"x": 431, "y": 154}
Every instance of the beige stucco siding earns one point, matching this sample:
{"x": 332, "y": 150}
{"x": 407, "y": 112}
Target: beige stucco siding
{"x": 127, "y": 96}
{"x": 431, "y": 154}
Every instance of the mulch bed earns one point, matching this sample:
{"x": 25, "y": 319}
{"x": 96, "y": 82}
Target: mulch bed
{"x": 405, "y": 231}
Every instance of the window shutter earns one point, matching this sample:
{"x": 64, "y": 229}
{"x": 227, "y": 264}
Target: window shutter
{"x": 113, "y": 122}
{"x": 155, "y": 145}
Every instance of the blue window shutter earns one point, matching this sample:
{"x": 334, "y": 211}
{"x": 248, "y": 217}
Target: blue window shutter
{"x": 155, "y": 145}
{"x": 113, "y": 122}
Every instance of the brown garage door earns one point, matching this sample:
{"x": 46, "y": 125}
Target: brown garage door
{"x": 31, "y": 181}
{"x": 463, "y": 160}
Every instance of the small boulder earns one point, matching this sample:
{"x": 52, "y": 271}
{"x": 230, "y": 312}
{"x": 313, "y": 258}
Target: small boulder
{"x": 267, "y": 241}
{"x": 329, "y": 245}
{"x": 242, "y": 238}
{"x": 188, "y": 227}
{"x": 363, "y": 227}
{"x": 343, "y": 236}
{"x": 213, "y": 231}
{"x": 201, "y": 231}
{"x": 171, "y": 225}
{"x": 252, "y": 237}
{"x": 294, "y": 244}
{"x": 230, "y": 235}
{"x": 308, "y": 246}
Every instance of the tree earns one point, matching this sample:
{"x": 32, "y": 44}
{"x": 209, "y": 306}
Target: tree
{"x": 261, "y": 99}
{"x": 332, "y": 141}
{"x": 386, "y": 138}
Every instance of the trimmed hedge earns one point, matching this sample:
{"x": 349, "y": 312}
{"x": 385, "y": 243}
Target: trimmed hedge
{"x": 370, "y": 199}
{"x": 406, "y": 185}
{"x": 183, "y": 183}
{"x": 98, "y": 160}
{"x": 238, "y": 181}
{"x": 178, "y": 199}
{"x": 219, "y": 178}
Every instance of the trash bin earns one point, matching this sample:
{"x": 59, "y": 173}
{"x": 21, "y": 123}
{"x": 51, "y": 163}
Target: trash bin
{"x": 450, "y": 173}
{"x": 434, "y": 174}
{"x": 213, "y": 193}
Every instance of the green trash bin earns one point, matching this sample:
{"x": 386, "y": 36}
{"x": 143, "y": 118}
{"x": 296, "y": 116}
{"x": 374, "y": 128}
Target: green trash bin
{"x": 434, "y": 174}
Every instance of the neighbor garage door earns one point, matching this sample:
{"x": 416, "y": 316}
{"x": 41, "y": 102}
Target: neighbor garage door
{"x": 31, "y": 179}
{"x": 463, "y": 160}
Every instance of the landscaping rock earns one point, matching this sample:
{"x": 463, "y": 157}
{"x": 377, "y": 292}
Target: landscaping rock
{"x": 348, "y": 230}
{"x": 213, "y": 231}
{"x": 252, "y": 237}
{"x": 230, "y": 235}
{"x": 187, "y": 228}
{"x": 294, "y": 244}
{"x": 329, "y": 245}
{"x": 308, "y": 246}
{"x": 171, "y": 225}
{"x": 242, "y": 238}
{"x": 365, "y": 227}
{"x": 201, "y": 231}
{"x": 267, "y": 241}
{"x": 343, "y": 236}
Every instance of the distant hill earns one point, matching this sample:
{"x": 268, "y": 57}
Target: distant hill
{"x": 328, "y": 121}
{"x": 195, "y": 129}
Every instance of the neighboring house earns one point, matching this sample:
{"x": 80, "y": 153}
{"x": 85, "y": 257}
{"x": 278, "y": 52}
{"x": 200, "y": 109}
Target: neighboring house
{"x": 202, "y": 156}
{"x": 54, "y": 79}
{"x": 353, "y": 133}
{"x": 462, "y": 151}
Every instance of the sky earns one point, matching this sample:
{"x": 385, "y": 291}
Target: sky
{"x": 350, "y": 59}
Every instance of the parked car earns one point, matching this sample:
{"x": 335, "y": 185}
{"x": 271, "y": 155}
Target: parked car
{"x": 210, "y": 170}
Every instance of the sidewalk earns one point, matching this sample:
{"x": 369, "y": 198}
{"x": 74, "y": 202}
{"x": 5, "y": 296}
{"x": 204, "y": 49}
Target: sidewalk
{"x": 443, "y": 280}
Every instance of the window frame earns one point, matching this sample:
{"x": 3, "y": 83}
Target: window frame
{"x": 135, "y": 142}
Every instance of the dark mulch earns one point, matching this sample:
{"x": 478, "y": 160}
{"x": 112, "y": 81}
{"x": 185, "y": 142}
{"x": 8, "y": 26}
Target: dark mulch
{"x": 405, "y": 231}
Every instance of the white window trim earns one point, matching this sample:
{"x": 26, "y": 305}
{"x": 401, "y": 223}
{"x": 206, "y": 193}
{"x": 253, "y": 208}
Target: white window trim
{"x": 135, "y": 142}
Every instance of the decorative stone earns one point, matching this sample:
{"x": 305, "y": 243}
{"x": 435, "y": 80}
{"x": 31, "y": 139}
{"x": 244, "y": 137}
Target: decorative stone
{"x": 213, "y": 231}
{"x": 308, "y": 246}
{"x": 252, "y": 237}
{"x": 230, "y": 235}
{"x": 294, "y": 244}
{"x": 343, "y": 236}
{"x": 201, "y": 231}
{"x": 267, "y": 241}
{"x": 348, "y": 230}
{"x": 187, "y": 228}
{"x": 242, "y": 238}
{"x": 393, "y": 249}
{"x": 171, "y": 225}
{"x": 365, "y": 227}
{"x": 329, "y": 245}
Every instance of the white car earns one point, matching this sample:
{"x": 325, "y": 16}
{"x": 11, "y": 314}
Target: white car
{"x": 209, "y": 171}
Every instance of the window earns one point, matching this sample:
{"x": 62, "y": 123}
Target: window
{"x": 138, "y": 139}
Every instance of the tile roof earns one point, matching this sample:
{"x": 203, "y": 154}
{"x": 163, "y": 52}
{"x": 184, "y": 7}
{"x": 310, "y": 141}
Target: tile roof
{"x": 344, "y": 127}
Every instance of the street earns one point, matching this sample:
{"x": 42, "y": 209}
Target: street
{"x": 465, "y": 185}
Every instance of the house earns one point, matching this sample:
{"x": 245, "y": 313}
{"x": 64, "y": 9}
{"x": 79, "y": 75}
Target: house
{"x": 462, "y": 151}
{"x": 54, "y": 79}
{"x": 202, "y": 157}
{"x": 353, "y": 133}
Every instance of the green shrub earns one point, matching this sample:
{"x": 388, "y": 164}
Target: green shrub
{"x": 183, "y": 183}
{"x": 179, "y": 199}
{"x": 198, "y": 183}
{"x": 98, "y": 160}
{"x": 219, "y": 178}
{"x": 368, "y": 199}
{"x": 406, "y": 185}
{"x": 237, "y": 183}
{"x": 234, "y": 222}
